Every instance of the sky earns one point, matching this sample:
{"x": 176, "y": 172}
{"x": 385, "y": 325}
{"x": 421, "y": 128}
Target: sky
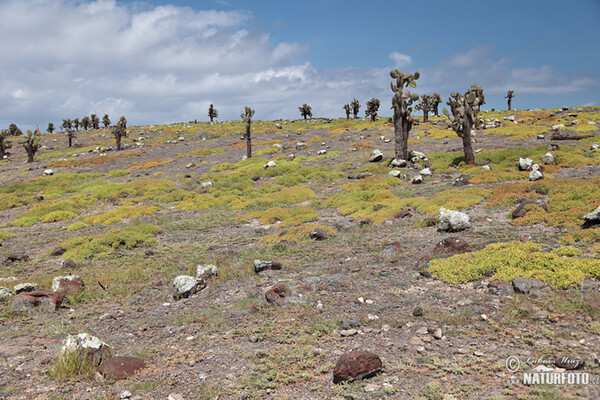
{"x": 163, "y": 61}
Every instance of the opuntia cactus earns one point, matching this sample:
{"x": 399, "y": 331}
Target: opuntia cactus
{"x": 425, "y": 105}
{"x": 401, "y": 104}
{"x": 372, "y": 108}
{"x": 120, "y": 131}
{"x": 106, "y": 120}
{"x": 76, "y": 124}
{"x": 31, "y": 144}
{"x": 5, "y": 144}
{"x": 355, "y": 107}
{"x": 85, "y": 122}
{"x": 95, "y": 121}
{"x": 509, "y": 96}
{"x": 247, "y": 118}
{"x": 70, "y": 136}
{"x": 464, "y": 109}
{"x": 348, "y": 110}
{"x": 67, "y": 124}
{"x": 305, "y": 110}
{"x": 50, "y": 128}
{"x": 436, "y": 99}
{"x": 212, "y": 112}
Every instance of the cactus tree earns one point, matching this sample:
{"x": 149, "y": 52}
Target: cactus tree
{"x": 31, "y": 144}
{"x": 436, "y": 99}
{"x": 50, "y": 127}
{"x": 120, "y": 131}
{"x": 348, "y": 110}
{"x": 95, "y": 121}
{"x": 5, "y": 144}
{"x": 372, "y": 108}
{"x": 247, "y": 118}
{"x": 70, "y": 136}
{"x": 85, "y": 122}
{"x": 401, "y": 104}
{"x": 509, "y": 96}
{"x": 425, "y": 105}
{"x": 106, "y": 120}
{"x": 67, "y": 124}
{"x": 355, "y": 107}
{"x": 305, "y": 110}
{"x": 212, "y": 113}
{"x": 464, "y": 109}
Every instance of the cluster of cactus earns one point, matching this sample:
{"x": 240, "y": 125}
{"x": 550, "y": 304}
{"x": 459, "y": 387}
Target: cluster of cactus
{"x": 106, "y": 121}
{"x": 120, "y": 131}
{"x": 436, "y": 99}
{"x": 247, "y": 118}
{"x": 348, "y": 110}
{"x": 13, "y": 130}
{"x": 425, "y": 105}
{"x": 355, "y": 105}
{"x": 212, "y": 112}
{"x": 51, "y": 127}
{"x": 95, "y": 121}
{"x": 464, "y": 109}
{"x": 401, "y": 104}
{"x": 305, "y": 110}
{"x": 509, "y": 95}
{"x": 372, "y": 108}
{"x": 5, "y": 144}
{"x": 32, "y": 144}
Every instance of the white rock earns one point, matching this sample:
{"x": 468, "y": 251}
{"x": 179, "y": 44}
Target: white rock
{"x": 595, "y": 147}
{"x": 57, "y": 279}
{"x": 486, "y": 167}
{"x": 26, "y": 287}
{"x": 453, "y": 220}
{"x": 525, "y": 164}
{"x": 548, "y": 158}
{"x": 83, "y": 341}
{"x": 395, "y": 173}
{"x": 207, "y": 270}
{"x": 509, "y": 118}
{"x": 181, "y": 138}
{"x": 535, "y": 174}
{"x": 184, "y": 286}
{"x": 593, "y": 216}
{"x": 416, "y": 154}
{"x": 426, "y": 172}
{"x": 399, "y": 163}
{"x": 48, "y": 172}
{"x": 125, "y": 394}
{"x": 321, "y": 152}
{"x": 541, "y": 136}
{"x": 278, "y": 126}
{"x": 5, "y": 293}
{"x": 270, "y": 164}
{"x": 376, "y": 155}
{"x": 417, "y": 180}
{"x": 175, "y": 396}
{"x": 591, "y": 122}
{"x": 206, "y": 185}
{"x": 557, "y": 127}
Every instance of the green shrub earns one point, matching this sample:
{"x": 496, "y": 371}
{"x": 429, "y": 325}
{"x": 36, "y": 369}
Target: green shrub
{"x": 76, "y": 226}
{"x": 119, "y": 172}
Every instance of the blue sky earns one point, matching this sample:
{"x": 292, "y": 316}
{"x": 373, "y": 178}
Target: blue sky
{"x": 166, "y": 61}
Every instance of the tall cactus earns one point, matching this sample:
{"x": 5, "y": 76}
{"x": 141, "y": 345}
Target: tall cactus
{"x": 372, "y": 108}
{"x": 5, "y": 144}
{"x": 464, "y": 109}
{"x": 212, "y": 112}
{"x": 76, "y": 124}
{"x": 31, "y": 144}
{"x": 348, "y": 110}
{"x": 509, "y": 96}
{"x": 435, "y": 102}
{"x": 120, "y": 131}
{"x": 355, "y": 107}
{"x": 305, "y": 110}
{"x": 106, "y": 120}
{"x": 401, "y": 104}
{"x": 70, "y": 136}
{"x": 425, "y": 105}
{"x": 247, "y": 118}
{"x": 50, "y": 127}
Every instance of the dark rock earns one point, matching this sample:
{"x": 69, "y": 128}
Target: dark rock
{"x": 318, "y": 234}
{"x": 553, "y": 147}
{"x": 117, "y": 368}
{"x": 356, "y": 365}
{"x": 461, "y": 181}
{"x": 425, "y": 274}
{"x": 423, "y": 262}
{"x": 364, "y": 222}
{"x": 255, "y": 178}
{"x": 391, "y": 249}
{"x": 568, "y": 363}
{"x": 15, "y": 257}
{"x": 451, "y": 245}
{"x": 149, "y": 252}
{"x": 503, "y": 288}
{"x": 360, "y": 175}
{"x": 349, "y": 324}
{"x": 523, "y": 285}
{"x": 403, "y": 214}
{"x": 278, "y": 294}
{"x": 260, "y": 266}
{"x": 68, "y": 264}
{"x": 520, "y": 211}
{"x": 41, "y": 300}
{"x": 418, "y": 312}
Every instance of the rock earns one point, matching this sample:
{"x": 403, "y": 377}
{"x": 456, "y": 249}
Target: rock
{"x": 376, "y": 156}
{"x": 48, "y": 172}
{"x": 541, "y": 136}
{"x": 395, "y": 173}
{"x": 205, "y": 272}
{"x": 15, "y": 257}
{"x": 25, "y": 288}
{"x": 593, "y": 217}
{"x": 321, "y": 152}
{"x": 535, "y": 174}
{"x": 68, "y": 264}
{"x": 206, "y": 185}
{"x": 89, "y": 348}
{"x": 69, "y": 284}
{"x": 418, "y": 312}
{"x": 356, "y": 365}
{"x": 525, "y": 286}
{"x": 117, "y": 368}
{"x": 525, "y": 164}
{"x": 453, "y": 221}
{"x": 184, "y": 286}
{"x": 557, "y": 127}
{"x": 278, "y": 126}
{"x": 391, "y": 249}
{"x": 346, "y": 324}
{"x": 553, "y": 147}
{"x": 260, "y": 266}
{"x": 255, "y": 178}
{"x": 348, "y": 332}
{"x": 451, "y": 245}
{"x": 416, "y": 154}
{"x": 270, "y": 164}
{"x": 125, "y": 394}
{"x": 460, "y": 181}
{"x": 595, "y": 147}
{"x": 426, "y": 172}
{"x": 398, "y": 163}
{"x": 278, "y": 294}
{"x": 486, "y": 167}
{"x": 5, "y": 293}
{"x": 417, "y": 180}
{"x": 364, "y": 222}
{"x": 520, "y": 211}
{"x": 318, "y": 234}
{"x": 41, "y": 300}
{"x": 360, "y": 175}
{"x": 548, "y": 158}
{"x": 509, "y": 118}
{"x": 402, "y": 213}
{"x": 57, "y": 251}
{"x": 437, "y": 334}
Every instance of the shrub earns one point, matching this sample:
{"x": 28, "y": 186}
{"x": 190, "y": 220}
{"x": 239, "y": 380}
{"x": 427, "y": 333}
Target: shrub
{"x": 288, "y": 216}
{"x": 297, "y": 234}
{"x": 119, "y": 172}
{"x": 76, "y": 226}
{"x": 4, "y": 235}
{"x": 121, "y": 213}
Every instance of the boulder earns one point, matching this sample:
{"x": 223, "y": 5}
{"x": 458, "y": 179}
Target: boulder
{"x": 69, "y": 284}
{"x": 48, "y": 172}
{"x": 399, "y": 163}
{"x": 356, "y": 365}
{"x": 184, "y": 286}
{"x": 426, "y": 172}
{"x": 270, "y": 164}
{"x": 376, "y": 156}
{"x": 117, "y": 368}
{"x": 504, "y": 288}
{"x": 450, "y": 246}
{"x": 395, "y": 173}
{"x": 41, "y": 301}
{"x": 417, "y": 180}
{"x": 204, "y": 272}
{"x": 453, "y": 221}
{"x": 592, "y": 218}
{"x": 5, "y": 293}
{"x": 57, "y": 251}
{"x": 278, "y": 294}
{"x": 416, "y": 155}
{"x": 15, "y": 257}
{"x": 318, "y": 234}
{"x": 548, "y": 158}
{"x": 88, "y": 348}
{"x": 68, "y": 264}
{"x": 536, "y": 173}
{"x": 525, "y": 164}
{"x": 260, "y": 266}
{"x": 525, "y": 286}
{"x": 25, "y": 287}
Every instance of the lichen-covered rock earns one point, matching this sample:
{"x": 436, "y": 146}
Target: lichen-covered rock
{"x": 548, "y": 158}
{"x": 89, "y": 348}
{"x": 415, "y": 155}
{"x": 69, "y": 284}
{"x": 426, "y": 172}
{"x": 260, "y": 265}
{"x": 395, "y": 173}
{"x": 184, "y": 286}
{"x": 399, "y": 163}
{"x": 535, "y": 174}
{"x": 25, "y": 287}
{"x": 450, "y": 246}
{"x": 417, "y": 180}
{"x": 206, "y": 271}
{"x": 356, "y": 365}
{"x": 376, "y": 156}
{"x": 453, "y": 221}
{"x": 525, "y": 164}
{"x": 5, "y": 293}
{"x": 278, "y": 294}
{"x": 270, "y": 164}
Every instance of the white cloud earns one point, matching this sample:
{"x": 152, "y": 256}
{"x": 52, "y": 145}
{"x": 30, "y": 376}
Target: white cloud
{"x": 400, "y": 60}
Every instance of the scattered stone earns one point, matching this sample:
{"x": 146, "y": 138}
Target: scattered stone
{"x": 451, "y": 245}
{"x": 453, "y": 221}
{"x": 525, "y": 286}
{"x": 348, "y": 332}
{"x": 525, "y": 164}
{"x": 395, "y": 173}
{"x": 260, "y": 266}
{"x": 376, "y": 156}
{"x": 318, "y": 234}
{"x": 126, "y": 394}
{"x": 426, "y": 172}
{"x": 503, "y": 288}
{"x": 460, "y": 181}
{"x": 360, "y": 175}
{"x": 418, "y": 312}
{"x": 25, "y": 288}
{"x": 68, "y": 264}
{"x": 184, "y": 286}
{"x": 118, "y": 368}
{"x": 398, "y": 163}
{"x": 278, "y": 126}
{"x": 15, "y": 257}
{"x": 347, "y": 324}
{"x": 5, "y": 293}
{"x": 548, "y": 158}
{"x": 356, "y": 365}
{"x": 175, "y": 396}
{"x": 57, "y": 251}
{"x": 417, "y": 180}
{"x": 415, "y": 156}
{"x": 278, "y": 294}
{"x": 541, "y": 136}
{"x": 595, "y": 147}
{"x": 592, "y": 218}
{"x": 41, "y": 300}
{"x": 437, "y": 334}
{"x": 321, "y": 152}
{"x": 402, "y": 213}
{"x": 486, "y": 167}
{"x": 48, "y": 172}
{"x": 206, "y": 185}
{"x": 535, "y": 174}
{"x": 205, "y": 272}
{"x": 553, "y": 147}
{"x": 255, "y": 178}
{"x": 391, "y": 249}
{"x": 270, "y": 164}
{"x": 365, "y": 222}
{"x": 69, "y": 284}
{"x": 89, "y": 348}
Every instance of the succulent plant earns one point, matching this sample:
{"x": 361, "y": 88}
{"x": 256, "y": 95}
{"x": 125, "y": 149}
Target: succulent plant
{"x": 67, "y": 124}
{"x": 5, "y": 144}
{"x": 425, "y": 105}
{"x": 70, "y": 136}
{"x": 401, "y": 104}
{"x": 305, "y": 110}
{"x": 355, "y": 105}
{"x": 509, "y": 95}
{"x": 247, "y": 118}
{"x": 464, "y": 109}
{"x": 50, "y": 128}
{"x": 372, "y": 108}
{"x": 31, "y": 144}
{"x": 106, "y": 121}
{"x": 85, "y": 122}
{"x": 435, "y": 102}
{"x": 120, "y": 131}
{"x": 13, "y": 130}
{"x": 95, "y": 121}
{"x": 212, "y": 112}
{"x": 348, "y": 110}
{"x": 76, "y": 124}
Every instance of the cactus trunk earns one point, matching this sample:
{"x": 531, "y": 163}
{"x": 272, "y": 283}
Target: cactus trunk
{"x": 466, "y": 136}
{"x": 425, "y": 115}
{"x": 118, "y": 139}
{"x": 400, "y": 137}
{"x": 70, "y": 141}
{"x": 509, "y": 103}
{"x": 248, "y": 141}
